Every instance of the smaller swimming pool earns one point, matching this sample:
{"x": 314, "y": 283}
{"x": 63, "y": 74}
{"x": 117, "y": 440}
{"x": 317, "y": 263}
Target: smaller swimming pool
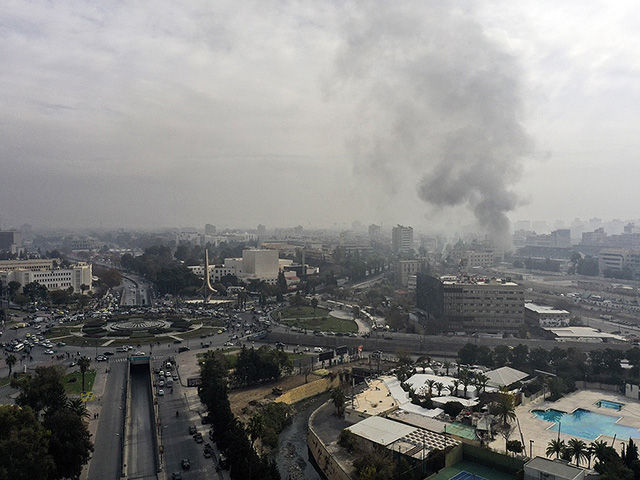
{"x": 610, "y": 404}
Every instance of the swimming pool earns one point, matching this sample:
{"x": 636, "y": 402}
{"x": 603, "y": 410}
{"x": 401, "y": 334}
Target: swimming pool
{"x": 610, "y": 404}
{"x": 585, "y": 424}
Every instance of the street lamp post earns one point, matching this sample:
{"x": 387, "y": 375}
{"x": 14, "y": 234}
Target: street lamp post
{"x": 531, "y": 448}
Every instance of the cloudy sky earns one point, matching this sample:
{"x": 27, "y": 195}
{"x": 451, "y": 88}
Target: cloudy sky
{"x": 316, "y": 113}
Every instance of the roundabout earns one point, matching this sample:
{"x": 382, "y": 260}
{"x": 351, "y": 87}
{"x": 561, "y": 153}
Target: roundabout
{"x": 138, "y": 325}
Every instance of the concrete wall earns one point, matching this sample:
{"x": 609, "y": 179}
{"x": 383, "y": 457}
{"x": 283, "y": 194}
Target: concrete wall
{"x": 322, "y": 457}
{"x": 308, "y": 390}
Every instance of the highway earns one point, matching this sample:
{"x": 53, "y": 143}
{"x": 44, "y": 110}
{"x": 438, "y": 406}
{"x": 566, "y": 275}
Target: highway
{"x": 141, "y": 452}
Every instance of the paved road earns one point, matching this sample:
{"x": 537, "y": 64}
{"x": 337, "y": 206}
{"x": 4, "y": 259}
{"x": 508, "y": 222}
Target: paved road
{"x": 178, "y": 443}
{"x": 107, "y": 460}
{"x": 141, "y": 449}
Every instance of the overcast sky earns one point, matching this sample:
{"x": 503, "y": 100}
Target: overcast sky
{"x": 317, "y": 113}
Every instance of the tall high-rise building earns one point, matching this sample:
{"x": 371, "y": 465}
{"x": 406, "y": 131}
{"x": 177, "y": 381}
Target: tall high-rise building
{"x": 402, "y": 239}
{"x": 262, "y": 230}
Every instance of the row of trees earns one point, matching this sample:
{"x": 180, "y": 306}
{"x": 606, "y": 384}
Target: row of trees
{"x": 231, "y": 436}
{"x": 571, "y": 364}
{"x": 608, "y": 462}
{"x": 256, "y": 366}
{"x": 44, "y": 436}
{"x": 36, "y": 292}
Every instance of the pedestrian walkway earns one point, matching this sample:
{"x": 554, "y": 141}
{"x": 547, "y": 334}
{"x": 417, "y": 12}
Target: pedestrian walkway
{"x": 93, "y": 409}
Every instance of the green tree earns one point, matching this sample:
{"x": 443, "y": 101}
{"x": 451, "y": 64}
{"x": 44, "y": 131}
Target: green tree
{"x": 314, "y": 305}
{"x": 555, "y": 447}
{"x": 42, "y": 391}
{"x": 338, "y": 398}
{"x": 13, "y": 288}
{"x": 84, "y": 363}
{"x": 505, "y": 408}
{"x": 35, "y": 291}
{"x": 70, "y": 444}
{"x": 468, "y": 354}
{"x": 514, "y": 446}
{"x": 11, "y": 360}
{"x": 255, "y": 427}
{"x": 577, "y": 450}
{"x": 24, "y": 445}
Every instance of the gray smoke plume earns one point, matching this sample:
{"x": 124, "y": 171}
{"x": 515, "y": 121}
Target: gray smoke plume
{"x": 440, "y": 102}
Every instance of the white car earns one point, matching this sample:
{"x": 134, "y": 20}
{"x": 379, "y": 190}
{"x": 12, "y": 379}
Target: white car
{"x": 160, "y": 392}
{"x": 48, "y": 352}
{"x": 318, "y": 349}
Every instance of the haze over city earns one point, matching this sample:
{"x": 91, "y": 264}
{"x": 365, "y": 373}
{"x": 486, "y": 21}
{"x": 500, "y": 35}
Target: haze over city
{"x": 318, "y": 113}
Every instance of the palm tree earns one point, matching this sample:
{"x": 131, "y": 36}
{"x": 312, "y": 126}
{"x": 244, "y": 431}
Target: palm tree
{"x": 455, "y": 384}
{"x": 430, "y": 384}
{"x": 577, "y": 449}
{"x": 11, "y": 360}
{"x": 439, "y": 387}
{"x": 555, "y": 447}
{"x": 447, "y": 366}
{"x": 338, "y": 397}
{"x": 84, "y": 363}
{"x": 599, "y": 449}
{"x": 466, "y": 379}
{"x": 480, "y": 381}
{"x": 256, "y": 427}
{"x": 506, "y": 408}
{"x": 77, "y": 406}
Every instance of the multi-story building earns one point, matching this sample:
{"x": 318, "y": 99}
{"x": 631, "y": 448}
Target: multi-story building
{"x": 472, "y": 304}
{"x": 619, "y": 259}
{"x": 10, "y": 241}
{"x": 254, "y": 264}
{"x": 545, "y": 316}
{"x": 35, "y": 264}
{"x": 402, "y": 239}
{"x": 404, "y": 269}
{"x": 209, "y": 229}
{"x": 52, "y": 278}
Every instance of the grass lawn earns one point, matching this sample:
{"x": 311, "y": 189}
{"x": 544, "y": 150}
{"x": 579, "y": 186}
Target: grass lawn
{"x": 75, "y": 386}
{"x": 301, "y": 312}
{"x": 331, "y": 324}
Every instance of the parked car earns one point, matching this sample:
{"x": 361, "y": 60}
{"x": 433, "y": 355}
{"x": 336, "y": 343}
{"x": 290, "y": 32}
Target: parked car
{"x": 192, "y": 430}
{"x": 186, "y": 465}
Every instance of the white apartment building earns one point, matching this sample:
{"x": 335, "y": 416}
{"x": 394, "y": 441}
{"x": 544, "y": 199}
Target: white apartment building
{"x": 254, "y": 264}
{"x": 52, "y": 278}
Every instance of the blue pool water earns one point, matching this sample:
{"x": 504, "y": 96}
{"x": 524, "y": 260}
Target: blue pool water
{"x": 610, "y": 404}
{"x": 586, "y": 424}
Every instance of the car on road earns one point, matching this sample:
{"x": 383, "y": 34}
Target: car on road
{"x": 186, "y": 465}
{"x": 198, "y": 437}
{"x": 192, "y": 429}
{"x": 107, "y": 354}
{"x": 101, "y": 358}
{"x": 48, "y": 352}
{"x": 139, "y": 354}
{"x": 318, "y": 349}
{"x": 160, "y": 392}
{"x": 183, "y": 349}
{"x": 176, "y": 476}
{"x": 175, "y": 377}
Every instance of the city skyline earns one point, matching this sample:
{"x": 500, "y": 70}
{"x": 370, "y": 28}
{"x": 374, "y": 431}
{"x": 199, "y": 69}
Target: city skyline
{"x": 242, "y": 113}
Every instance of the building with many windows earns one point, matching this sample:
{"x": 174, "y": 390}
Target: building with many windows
{"x": 402, "y": 239}
{"x": 472, "y": 304}
{"x": 74, "y": 277}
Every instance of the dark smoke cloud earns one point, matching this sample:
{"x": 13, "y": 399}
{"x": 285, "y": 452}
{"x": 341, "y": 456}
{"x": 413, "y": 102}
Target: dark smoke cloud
{"x": 438, "y": 103}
